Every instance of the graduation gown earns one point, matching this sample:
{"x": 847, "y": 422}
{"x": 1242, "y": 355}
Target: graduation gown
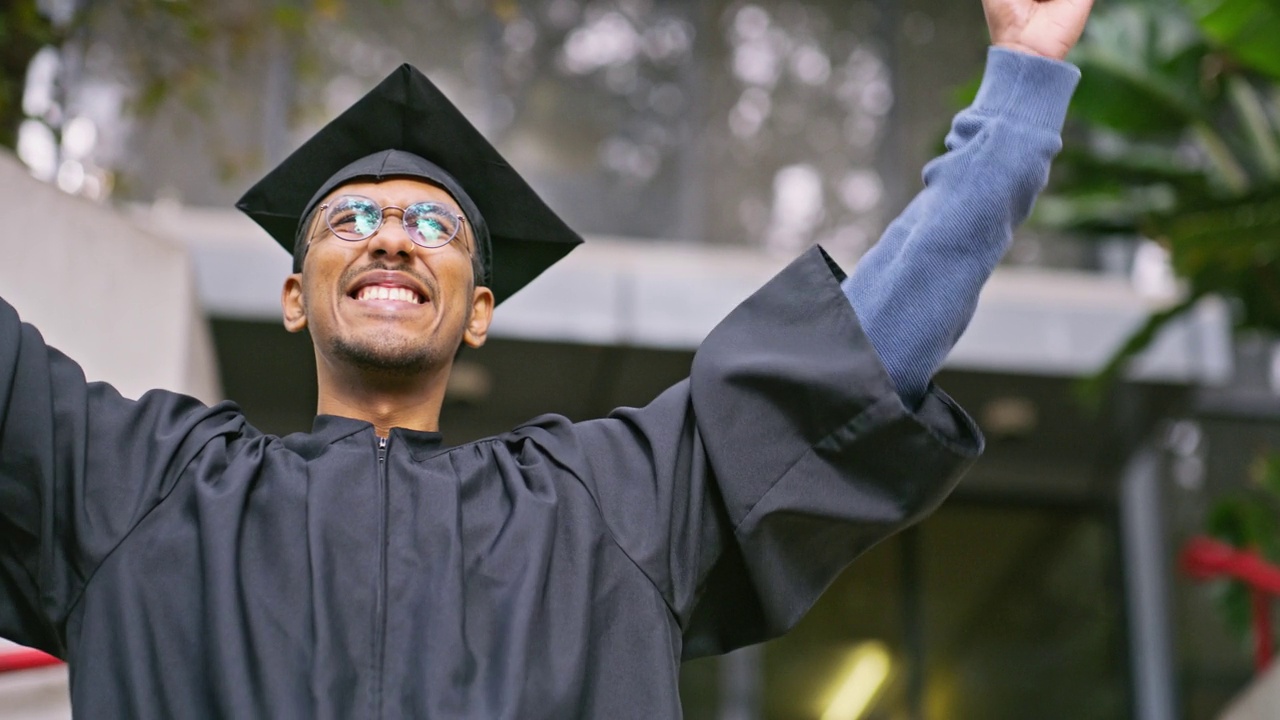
{"x": 188, "y": 566}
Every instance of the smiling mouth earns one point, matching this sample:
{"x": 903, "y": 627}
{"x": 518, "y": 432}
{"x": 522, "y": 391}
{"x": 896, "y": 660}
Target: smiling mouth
{"x": 392, "y": 293}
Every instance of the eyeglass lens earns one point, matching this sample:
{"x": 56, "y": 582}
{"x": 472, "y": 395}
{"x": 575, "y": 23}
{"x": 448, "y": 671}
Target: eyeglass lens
{"x": 352, "y": 218}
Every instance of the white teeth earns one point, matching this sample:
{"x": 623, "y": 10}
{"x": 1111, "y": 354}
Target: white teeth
{"x": 375, "y": 292}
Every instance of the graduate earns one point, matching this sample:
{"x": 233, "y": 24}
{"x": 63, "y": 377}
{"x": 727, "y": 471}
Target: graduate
{"x": 188, "y": 566}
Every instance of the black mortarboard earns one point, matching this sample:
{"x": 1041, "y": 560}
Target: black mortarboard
{"x": 429, "y": 138}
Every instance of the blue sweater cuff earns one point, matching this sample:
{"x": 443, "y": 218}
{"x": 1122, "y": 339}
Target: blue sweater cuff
{"x": 1026, "y": 88}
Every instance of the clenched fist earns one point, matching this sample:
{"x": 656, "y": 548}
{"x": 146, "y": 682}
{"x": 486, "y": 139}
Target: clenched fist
{"x": 1040, "y": 27}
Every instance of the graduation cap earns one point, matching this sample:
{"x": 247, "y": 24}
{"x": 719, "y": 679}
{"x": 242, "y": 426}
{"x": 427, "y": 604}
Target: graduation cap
{"x": 406, "y": 127}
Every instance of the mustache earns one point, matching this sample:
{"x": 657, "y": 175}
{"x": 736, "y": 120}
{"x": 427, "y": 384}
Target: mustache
{"x": 427, "y": 281}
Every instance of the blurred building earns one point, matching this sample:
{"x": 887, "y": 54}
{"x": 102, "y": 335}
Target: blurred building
{"x": 700, "y": 145}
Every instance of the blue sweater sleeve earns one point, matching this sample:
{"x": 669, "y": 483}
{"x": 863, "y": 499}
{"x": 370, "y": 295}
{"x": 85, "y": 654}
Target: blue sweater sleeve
{"x": 916, "y": 290}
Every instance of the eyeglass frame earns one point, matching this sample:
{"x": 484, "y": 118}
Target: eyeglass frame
{"x": 382, "y": 216}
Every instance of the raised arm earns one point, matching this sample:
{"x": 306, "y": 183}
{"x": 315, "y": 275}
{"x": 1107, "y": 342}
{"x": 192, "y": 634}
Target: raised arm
{"x": 79, "y": 467}
{"x": 742, "y": 493}
{"x": 917, "y": 289}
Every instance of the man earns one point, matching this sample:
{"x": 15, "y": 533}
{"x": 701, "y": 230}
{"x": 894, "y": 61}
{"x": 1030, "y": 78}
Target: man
{"x": 188, "y": 566}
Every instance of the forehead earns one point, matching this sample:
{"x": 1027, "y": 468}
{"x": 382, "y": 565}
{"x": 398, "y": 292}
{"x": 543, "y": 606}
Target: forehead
{"x": 399, "y": 191}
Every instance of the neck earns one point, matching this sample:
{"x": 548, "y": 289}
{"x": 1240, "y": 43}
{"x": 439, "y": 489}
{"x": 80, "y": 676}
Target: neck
{"x": 387, "y": 400}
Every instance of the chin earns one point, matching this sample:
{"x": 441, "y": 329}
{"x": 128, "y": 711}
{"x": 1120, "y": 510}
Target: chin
{"x": 400, "y": 358}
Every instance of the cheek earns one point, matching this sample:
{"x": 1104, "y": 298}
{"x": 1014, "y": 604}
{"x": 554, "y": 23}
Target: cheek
{"x": 315, "y": 300}
{"x": 462, "y": 294}
{"x": 320, "y": 276}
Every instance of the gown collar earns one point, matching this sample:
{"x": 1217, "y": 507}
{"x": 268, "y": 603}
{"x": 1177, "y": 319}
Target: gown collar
{"x": 328, "y": 429}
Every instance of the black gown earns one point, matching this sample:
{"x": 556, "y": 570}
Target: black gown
{"x": 188, "y": 566}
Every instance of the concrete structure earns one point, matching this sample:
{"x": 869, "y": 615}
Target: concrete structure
{"x": 115, "y": 297}
{"x": 669, "y": 295}
{"x": 1261, "y": 701}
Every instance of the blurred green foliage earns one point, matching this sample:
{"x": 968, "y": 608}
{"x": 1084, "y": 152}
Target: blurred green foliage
{"x": 1248, "y": 519}
{"x": 23, "y": 31}
{"x": 164, "y": 49}
{"x": 1178, "y": 140}
{"x": 1178, "y": 123}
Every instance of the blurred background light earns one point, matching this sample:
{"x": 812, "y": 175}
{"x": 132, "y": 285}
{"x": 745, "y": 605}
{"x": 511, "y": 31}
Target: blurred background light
{"x": 79, "y": 137}
{"x": 610, "y": 39}
{"x": 38, "y": 148}
{"x": 869, "y": 666}
{"x": 38, "y": 91}
{"x": 71, "y": 176}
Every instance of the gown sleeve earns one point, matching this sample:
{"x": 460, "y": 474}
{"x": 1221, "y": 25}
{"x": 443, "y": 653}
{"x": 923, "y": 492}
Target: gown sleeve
{"x": 80, "y": 466}
{"x": 743, "y": 491}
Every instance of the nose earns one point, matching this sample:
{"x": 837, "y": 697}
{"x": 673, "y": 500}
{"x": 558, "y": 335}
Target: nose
{"x": 391, "y": 238}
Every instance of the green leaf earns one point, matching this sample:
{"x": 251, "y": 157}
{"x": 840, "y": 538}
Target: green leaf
{"x": 1233, "y": 598}
{"x": 1122, "y": 162}
{"x": 1092, "y": 389}
{"x": 1140, "y": 71}
{"x": 1228, "y": 522}
{"x": 1244, "y": 29}
{"x": 1127, "y": 99}
{"x": 1229, "y": 246}
{"x": 1267, "y": 473}
{"x": 1257, "y": 125}
{"x": 1248, "y": 520}
{"x": 1101, "y": 210}
{"x": 1111, "y": 186}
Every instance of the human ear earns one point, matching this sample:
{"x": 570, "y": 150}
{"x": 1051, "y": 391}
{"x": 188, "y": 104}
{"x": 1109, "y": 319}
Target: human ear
{"x": 481, "y": 315}
{"x": 295, "y": 311}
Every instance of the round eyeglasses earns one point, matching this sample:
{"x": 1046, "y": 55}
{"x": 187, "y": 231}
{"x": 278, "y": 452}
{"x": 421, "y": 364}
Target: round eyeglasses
{"x": 355, "y": 217}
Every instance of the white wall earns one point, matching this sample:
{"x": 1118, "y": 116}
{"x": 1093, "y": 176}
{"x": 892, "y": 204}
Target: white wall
{"x": 119, "y": 300}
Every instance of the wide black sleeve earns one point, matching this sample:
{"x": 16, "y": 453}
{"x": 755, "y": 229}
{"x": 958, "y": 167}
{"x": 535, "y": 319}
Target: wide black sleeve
{"x": 744, "y": 491}
{"x": 79, "y": 467}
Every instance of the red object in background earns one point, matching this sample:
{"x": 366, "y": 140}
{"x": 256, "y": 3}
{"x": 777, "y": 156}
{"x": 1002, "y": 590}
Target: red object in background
{"x": 1263, "y": 646}
{"x": 1204, "y": 558}
{"x": 23, "y": 659}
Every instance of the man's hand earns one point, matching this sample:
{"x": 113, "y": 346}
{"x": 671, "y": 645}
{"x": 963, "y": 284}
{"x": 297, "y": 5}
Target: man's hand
{"x": 1049, "y": 28}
